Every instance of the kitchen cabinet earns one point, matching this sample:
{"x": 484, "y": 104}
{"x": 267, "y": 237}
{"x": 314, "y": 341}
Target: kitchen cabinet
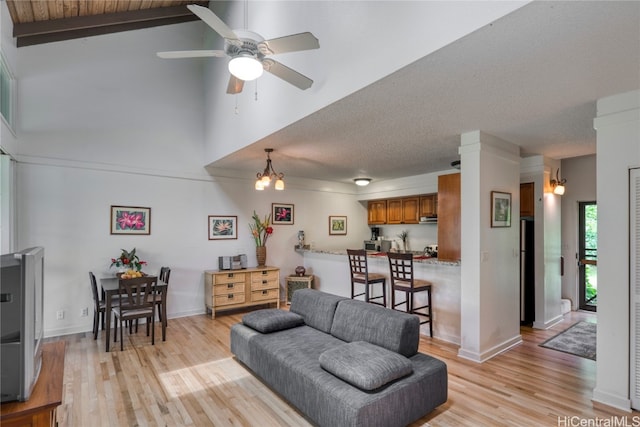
{"x": 527, "y": 200}
{"x": 449, "y": 217}
{"x": 428, "y": 206}
{"x": 403, "y": 211}
{"x": 377, "y": 212}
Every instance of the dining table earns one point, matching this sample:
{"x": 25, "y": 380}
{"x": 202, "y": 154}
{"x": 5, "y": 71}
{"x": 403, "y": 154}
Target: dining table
{"x": 111, "y": 287}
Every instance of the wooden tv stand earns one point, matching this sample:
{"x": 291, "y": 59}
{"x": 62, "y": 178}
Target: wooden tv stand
{"x": 40, "y": 409}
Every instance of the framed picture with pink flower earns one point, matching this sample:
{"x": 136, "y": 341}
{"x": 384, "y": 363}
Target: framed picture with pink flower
{"x": 223, "y": 227}
{"x": 130, "y": 220}
{"x": 281, "y": 214}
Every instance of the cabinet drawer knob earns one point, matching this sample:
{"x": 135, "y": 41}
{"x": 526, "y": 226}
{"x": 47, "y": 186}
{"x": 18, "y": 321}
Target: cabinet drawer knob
{"x": 264, "y": 272}
{"x": 230, "y": 275}
{"x": 264, "y": 282}
{"x": 230, "y": 296}
{"x": 265, "y": 292}
{"x": 230, "y": 285}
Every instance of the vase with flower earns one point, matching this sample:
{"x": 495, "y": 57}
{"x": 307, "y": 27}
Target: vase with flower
{"x": 128, "y": 260}
{"x": 261, "y": 230}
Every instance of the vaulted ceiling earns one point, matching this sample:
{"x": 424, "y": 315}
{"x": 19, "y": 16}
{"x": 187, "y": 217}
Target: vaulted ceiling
{"x": 532, "y": 78}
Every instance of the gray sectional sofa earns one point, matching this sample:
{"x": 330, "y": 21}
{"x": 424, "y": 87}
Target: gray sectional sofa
{"x": 342, "y": 362}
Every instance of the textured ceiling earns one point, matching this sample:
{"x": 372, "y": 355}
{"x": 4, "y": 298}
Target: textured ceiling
{"x": 532, "y": 78}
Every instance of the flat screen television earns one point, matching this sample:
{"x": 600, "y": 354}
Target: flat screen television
{"x": 21, "y": 330}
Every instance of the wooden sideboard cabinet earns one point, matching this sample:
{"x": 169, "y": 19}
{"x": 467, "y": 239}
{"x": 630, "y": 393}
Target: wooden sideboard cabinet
{"x": 230, "y": 289}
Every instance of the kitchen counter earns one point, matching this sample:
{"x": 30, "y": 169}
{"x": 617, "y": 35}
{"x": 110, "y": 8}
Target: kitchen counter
{"x": 418, "y": 257}
{"x": 331, "y": 270}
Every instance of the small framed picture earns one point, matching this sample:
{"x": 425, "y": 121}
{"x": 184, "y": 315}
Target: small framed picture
{"x": 130, "y": 220}
{"x": 281, "y": 214}
{"x": 500, "y": 209}
{"x": 337, "y": 225}
{"x": 223, "y": 227}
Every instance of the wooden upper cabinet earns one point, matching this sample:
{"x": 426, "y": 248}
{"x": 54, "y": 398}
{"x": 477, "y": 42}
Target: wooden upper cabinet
{"x": 428, "y": 206}
{"x": 527, "y": 199}
{"x": 377, "y": 211}
{"x": 394, "y": 211}
{"x": 410, "y": 209}
{"x": 403, "y": 211}
{"x": 449, "y": 217}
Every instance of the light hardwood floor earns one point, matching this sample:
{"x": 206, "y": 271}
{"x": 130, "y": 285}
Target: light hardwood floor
{"x": 193, "y": 380}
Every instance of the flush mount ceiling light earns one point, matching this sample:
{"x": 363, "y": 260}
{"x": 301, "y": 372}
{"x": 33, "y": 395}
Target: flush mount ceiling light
{"x": 362, "y": 182}
{"x": 264, "y": 179}
{"x": 558, "y": 184}
{"x": 245, "y": 66}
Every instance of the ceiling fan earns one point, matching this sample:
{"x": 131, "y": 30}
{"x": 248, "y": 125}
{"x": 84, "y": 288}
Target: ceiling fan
{"x": 249, "y": 52}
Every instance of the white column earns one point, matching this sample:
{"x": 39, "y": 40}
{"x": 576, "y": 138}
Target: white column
{"x": 617, "y": 149}
{"x": 490, "y": 288}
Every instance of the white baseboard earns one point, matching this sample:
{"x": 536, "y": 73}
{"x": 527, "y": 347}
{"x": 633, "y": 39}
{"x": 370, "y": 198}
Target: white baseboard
{"x": 492, "y": 352}
{"x": 619, "y": 402}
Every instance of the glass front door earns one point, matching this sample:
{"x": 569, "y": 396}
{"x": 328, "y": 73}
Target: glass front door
{"x": 588, "y": 256}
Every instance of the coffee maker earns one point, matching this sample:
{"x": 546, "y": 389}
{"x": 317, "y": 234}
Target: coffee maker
{"x": 375, "y": 233}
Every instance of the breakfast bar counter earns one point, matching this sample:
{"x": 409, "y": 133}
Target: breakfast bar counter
{"x": 331, "y": 271}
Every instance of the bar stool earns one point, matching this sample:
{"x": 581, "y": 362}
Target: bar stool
{"x": 360, "y": 274}
{"x": 401, "y": 266}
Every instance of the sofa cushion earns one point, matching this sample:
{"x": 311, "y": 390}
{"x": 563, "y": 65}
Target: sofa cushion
{"x": 316, "y": 307}
{"x": 365, "y": 365}
{"x": 394, "y": 330}
{"x": 272, "y": 320}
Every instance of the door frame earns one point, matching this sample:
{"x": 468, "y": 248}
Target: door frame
{"x": 585, "y": 257}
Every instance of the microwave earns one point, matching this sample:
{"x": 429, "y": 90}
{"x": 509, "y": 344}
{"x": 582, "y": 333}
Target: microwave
{"x": 372, "y": 245}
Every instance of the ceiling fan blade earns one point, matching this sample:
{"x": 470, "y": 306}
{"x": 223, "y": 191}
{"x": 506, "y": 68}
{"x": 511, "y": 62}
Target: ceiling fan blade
{"x": 235, "y": 85}
{"x": 213, "y": 21}
{"x": 292, "y": 43}
{"x": 287, "y": 74}
{"x": 191, "y": 54}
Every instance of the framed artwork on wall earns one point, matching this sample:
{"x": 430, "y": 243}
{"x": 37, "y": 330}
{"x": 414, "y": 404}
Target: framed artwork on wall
{"x": 223, "y": 227}
{"x": 337, "y": 225}
{"x": 130, "y": 220}
{"x": 281, "y": 214}
{"x": 500, "y": 209}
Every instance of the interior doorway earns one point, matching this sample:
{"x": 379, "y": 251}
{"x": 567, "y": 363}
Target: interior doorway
{"x": 588, "y": 256}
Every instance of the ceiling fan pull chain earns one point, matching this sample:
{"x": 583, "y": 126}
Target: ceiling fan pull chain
{"x": 246, "y": 14}
{"x": 236, "y": 110}
{"x": 256, "y": 89}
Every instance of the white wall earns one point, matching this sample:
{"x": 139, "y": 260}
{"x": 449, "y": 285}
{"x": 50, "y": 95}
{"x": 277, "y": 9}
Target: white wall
{"x": 580, "y": 173}
{"x": 66, "y": 210}
{"x": 338, "y": 68}
{"x": 617, "y": 150}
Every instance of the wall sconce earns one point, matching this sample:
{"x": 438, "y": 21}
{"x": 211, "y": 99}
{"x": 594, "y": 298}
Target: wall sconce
{"x": 558, "y": 184}
{"x": 264, "y": 179}
{"x": 362, "y": 182}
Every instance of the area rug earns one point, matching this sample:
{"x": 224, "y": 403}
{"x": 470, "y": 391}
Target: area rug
{"x": 579, "y": 339}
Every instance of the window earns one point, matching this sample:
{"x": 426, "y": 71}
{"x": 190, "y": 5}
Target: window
{"x": 7, "y": 93}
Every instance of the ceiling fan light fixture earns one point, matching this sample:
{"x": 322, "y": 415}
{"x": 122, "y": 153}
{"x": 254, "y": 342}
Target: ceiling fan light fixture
{"x": 245, "y": 67}
{"x": 362, "y": 182}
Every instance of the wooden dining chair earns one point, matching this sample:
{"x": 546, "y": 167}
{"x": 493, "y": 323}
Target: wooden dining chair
{"x": 360, "y": 275}
{"x": 402, "y": 280}
{"x": 136, "y": 302}
{"x": 99, "y": 306}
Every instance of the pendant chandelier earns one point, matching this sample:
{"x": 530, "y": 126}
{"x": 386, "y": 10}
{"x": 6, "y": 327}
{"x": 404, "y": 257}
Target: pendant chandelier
{"x": 265, "y": 177}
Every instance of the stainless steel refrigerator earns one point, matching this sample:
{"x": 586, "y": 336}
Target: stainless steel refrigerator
{"x": 527, "y": 273}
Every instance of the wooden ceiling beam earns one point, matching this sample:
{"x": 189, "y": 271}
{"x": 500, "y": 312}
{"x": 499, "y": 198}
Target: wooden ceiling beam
{"x": 40, "y": 32}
